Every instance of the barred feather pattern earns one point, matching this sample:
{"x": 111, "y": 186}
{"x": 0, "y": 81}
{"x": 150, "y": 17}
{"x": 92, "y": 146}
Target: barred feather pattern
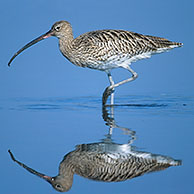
{"x": 118, "y": 164}
{"x": 107, "y": 49}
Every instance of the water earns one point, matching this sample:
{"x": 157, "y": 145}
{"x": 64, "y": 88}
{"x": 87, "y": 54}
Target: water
{"x": 40, "y": 131}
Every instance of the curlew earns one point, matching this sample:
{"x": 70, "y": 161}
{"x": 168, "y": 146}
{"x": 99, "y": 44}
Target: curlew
{"x": 104, "y": 50}
{"x": 103, "y": 161}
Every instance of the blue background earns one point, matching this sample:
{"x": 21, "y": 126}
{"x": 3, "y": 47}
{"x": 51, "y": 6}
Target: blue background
{"x": 48, "y": 105}
{"x": 42, "y": 69}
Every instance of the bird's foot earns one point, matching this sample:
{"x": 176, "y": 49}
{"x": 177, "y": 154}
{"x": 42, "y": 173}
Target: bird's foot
{"x": 107, "y": 92}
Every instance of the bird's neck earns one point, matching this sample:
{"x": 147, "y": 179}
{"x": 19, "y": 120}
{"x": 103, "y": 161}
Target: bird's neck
{"x": 66, "y": 174}
{"x": 65, "y": 42}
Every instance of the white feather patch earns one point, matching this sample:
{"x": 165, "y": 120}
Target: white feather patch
{"x": 124, "y": 60}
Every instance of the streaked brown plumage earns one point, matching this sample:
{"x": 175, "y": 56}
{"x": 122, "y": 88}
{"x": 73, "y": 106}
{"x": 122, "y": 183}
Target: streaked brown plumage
{"x": 104, "y": 161}
{"x": 104, "y": 49}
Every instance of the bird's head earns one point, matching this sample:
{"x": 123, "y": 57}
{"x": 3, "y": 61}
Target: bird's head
{"x": 61, "y": 28}
{"x": 60, "y": 183}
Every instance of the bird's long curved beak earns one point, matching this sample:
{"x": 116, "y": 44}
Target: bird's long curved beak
{"x": 42, "y": 37}
{"x": 45, "y": 177}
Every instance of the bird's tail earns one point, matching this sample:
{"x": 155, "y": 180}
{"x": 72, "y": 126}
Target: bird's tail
{"x": 163, "y": 43}
{"x": 176, "y": 162}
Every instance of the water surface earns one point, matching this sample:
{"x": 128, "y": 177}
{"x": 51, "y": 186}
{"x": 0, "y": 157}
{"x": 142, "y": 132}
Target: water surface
{"x": 40, "y": 131}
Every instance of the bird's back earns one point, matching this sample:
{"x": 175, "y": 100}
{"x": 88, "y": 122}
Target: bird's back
{"x": 112, "y": 47}
{"x": 114, "y": 162}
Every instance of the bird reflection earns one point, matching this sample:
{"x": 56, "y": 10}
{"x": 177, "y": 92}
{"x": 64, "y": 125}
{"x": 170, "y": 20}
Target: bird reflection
{"x": 105, "y": 160}
{"x": 110, "y": 121}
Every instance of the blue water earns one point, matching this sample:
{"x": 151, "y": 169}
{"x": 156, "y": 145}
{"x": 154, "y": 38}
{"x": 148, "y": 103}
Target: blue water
{"x": 40, "y": 131}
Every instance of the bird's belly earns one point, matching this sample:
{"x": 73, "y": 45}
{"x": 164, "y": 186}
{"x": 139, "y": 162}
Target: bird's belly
{"x": 116, "y": 61}
{"x": 108, "y": 63}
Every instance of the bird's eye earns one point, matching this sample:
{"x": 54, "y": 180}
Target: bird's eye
{"x": 58, "y": 186}
{"x": 57, "y": 28}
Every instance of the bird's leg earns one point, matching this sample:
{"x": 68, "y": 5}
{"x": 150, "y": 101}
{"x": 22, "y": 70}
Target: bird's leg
{"x": 112, "y": 117}
{"x": 111, "y": 83}
{"x": 110, "y": 121}
{"x": 108, "y": 91}
{"x": 134, "y": 76}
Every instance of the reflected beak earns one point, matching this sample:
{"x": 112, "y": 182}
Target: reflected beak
{"x": 43, "y": 176}
{"x": 47, "y": 178}
{"x": 42, "y": 37}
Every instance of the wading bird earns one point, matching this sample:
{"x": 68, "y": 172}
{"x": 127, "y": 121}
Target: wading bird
{"x": 104, "y": 50}
{"x": 108, "y": 162}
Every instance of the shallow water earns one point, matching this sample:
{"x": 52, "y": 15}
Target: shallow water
{"x": 40, "y": 131}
